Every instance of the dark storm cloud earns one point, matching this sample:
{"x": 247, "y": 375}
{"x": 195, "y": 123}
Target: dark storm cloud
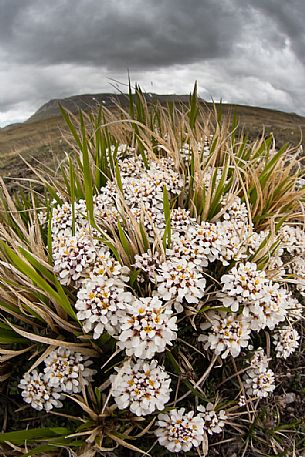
{"x": 289, "y": 17}
{"x": 118, "y": 34}
{"x": 243, "y": 51}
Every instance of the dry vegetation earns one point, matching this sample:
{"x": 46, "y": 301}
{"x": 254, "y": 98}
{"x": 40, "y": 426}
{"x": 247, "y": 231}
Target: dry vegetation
{"x": 41, "y": 139}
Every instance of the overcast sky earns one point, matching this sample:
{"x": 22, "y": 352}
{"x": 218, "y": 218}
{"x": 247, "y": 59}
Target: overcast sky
{"x": 242, "y": 51}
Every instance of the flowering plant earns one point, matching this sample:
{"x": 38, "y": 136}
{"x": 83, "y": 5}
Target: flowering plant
{"x": 155, "y": 289}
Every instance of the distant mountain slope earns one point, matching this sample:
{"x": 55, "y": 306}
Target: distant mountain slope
{"x": 92, "y": 101}
{"x": 40, "y": 139}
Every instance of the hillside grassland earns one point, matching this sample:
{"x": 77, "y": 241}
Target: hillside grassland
{"x": 40, "y": 140}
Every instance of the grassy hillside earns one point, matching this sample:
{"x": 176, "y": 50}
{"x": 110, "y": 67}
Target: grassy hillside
{"x": 41, "y": 137}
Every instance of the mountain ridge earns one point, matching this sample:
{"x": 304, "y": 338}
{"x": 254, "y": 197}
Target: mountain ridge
{"x": 92, "y": 101}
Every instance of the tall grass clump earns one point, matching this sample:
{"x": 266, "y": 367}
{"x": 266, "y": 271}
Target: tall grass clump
{"x": 151, "y": 295}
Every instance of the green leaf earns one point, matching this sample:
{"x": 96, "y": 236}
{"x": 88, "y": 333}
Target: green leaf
{"x": 173, "y": 362}
{"x": 193, "y": 112}
{"x": 54, "y": 444}
{"x": 124, "y": 241}
{"x": 58, "y": 296}
{"x": 133, "y": 277}
{"x": 19, "y": 437}
{"x": 72, "y": 193}
{"x": 86, "y": 171}
{"x": 118, "y": 178}
{"x": 144, "y": 237}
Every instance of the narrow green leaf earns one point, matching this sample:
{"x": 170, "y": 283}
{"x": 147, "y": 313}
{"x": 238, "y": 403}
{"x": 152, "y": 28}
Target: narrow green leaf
{"x": 124, "y": 240}
{"x": 19, "y": 437}
{"x": 86, "y": 171}
{"x": 118, "y": 178}
{"x": 72, "y": 193}
{"x": 28, "y": 270}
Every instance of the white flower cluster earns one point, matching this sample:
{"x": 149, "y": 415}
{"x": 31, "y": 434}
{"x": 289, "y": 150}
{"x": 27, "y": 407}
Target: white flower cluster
{"x": 214, "y": 421}
{"x": 179, "y": 431}
{"x": 101, "y": 302}
{"x": 208, "y": 275}
{"x": 143, "y": 387}
{"x": 294, "y": 239}
{"x": 180, "y": 280}
{"x": 228, "y": 333}
{"x": 259, "y": 381}
{"x": 294, "y": 309}
{"x": 148, "y": 262}
{"x": 37, "y": 392}
{"x": 74, "y": 258}
{"x": 245, "y": 283}
{"x": 65, "y": 372}
{"x": 297, "y": 269}
{"x": 262, "y": 302}
{"x": 202, "y": 148}
{"x": 286, "y": 341}
{"x": 235, "y": 210}
{"x": 61, "y": 222}
{"x": 145, "y": 190}
{"x": 146, "y": 328}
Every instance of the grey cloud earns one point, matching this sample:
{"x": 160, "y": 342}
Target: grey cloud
{"x": 289, "y": 17}
{"x": 119, "y": 34}
{"x": 243, "y": 51}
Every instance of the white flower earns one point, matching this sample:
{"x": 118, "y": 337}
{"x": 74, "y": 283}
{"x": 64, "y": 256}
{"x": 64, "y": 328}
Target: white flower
{"x": 286, "y": 340}
{"x": 259, "y": 384}
{"x": 229, "y": 333}
{"x": 106, "y": 265}
{"x": 294, "y": 309}
{"x": 61, "y": 222}
{"x": 210, "y": 237}
{"x": 235, "y": 210}
{"x": 180, "y": 280}
{"x": 181, "y": 220}
{"x": 297, "y": 268}
{"x": 141, "y": 192}
{"x": 294, "y": 239}
{"x": 259, "y": 360}
{"x": 270, "y": 309}
{"x": 142, "y": 387}
{"x": 37, "y": 391}
{"x": 104, "y": 200}
{"x": 214, "y": 421}
{"x": 242, "y": 401}
{"x": 74, "y": 258}
{"x": 152, "y": 220}
{"x": 131, "y": 166}
{"x": 148, "y": 262}
{"x": 186, "y": 248}
{"x": 258, "y": 380}
{"x": 234, "y": 245}
{"x": 100, "y": 303}
{"x": 199, "y": 244}
{"x": 161, "y": 176}
{"x": 145, "y": 189}
{"x": 255, "y": 239}
{"x": 179, "y": 431}
{"x": 67, "y": 371}
{"x": 147, "y": 328}
{"x": 244, "y": 283}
